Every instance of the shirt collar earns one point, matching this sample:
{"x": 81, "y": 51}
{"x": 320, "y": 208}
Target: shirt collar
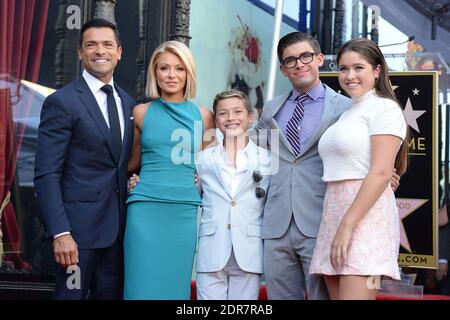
{"x": 248, "y": 151}
{"x": 316, "y": 92}
{"x": 249, "y": 148}
{"x": 93, "y": 83}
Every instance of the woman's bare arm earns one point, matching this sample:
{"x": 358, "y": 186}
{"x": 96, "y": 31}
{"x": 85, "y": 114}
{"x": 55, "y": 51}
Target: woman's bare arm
{"x": 209, "y": 133}
{"x": 135, "y": 157}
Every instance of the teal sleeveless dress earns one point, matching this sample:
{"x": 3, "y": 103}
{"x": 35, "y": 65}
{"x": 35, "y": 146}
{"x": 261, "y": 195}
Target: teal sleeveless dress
{"x": 161, "y": 228}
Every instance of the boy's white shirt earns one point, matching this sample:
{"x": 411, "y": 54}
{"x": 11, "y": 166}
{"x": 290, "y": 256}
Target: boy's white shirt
{"x": 232, "y": 176}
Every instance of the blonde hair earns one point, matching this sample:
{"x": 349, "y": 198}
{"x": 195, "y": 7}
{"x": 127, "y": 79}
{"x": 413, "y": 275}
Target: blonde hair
{"x": 181, "y": 51}
{"x": 233, "y": 93}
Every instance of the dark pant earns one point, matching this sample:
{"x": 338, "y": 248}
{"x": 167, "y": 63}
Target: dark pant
{"x": 99, "y": 275}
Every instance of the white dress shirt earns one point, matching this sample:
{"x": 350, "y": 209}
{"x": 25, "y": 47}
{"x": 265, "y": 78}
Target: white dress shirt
{"x": 96, "y": 88}
{"x": 232, "y": 175}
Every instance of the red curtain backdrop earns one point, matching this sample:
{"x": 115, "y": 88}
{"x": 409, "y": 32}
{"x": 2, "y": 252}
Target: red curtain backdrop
{"x": 22, "y": 30}
{"x": 6, "y": 141}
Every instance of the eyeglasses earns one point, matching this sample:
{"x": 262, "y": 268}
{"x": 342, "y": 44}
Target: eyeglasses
{"x": 305, "y": 58}
{"x": 259, "y": 192}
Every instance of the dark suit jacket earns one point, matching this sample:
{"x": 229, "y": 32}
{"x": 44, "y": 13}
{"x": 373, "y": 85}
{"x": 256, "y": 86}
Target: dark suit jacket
{"x": 80, "y": 187}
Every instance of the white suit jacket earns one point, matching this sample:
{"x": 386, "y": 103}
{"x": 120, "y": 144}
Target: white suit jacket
{"x": 231, "y": 220}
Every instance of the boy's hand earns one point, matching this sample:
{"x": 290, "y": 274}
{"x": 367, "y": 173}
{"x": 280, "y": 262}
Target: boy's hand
{"x": 133, "y": 182}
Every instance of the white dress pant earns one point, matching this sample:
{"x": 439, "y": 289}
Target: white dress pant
{"x": 230, "y": 283}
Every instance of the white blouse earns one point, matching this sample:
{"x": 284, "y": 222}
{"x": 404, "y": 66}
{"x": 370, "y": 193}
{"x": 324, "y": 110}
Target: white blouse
{"x": 345, "y": 146}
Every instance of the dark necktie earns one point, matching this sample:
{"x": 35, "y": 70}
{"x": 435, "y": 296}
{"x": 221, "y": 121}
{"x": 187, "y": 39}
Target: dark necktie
{"x": 292, "y": 128}
{"x": 114, "y": 124}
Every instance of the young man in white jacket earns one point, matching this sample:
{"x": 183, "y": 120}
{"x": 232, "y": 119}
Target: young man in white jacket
{"x": 233, "y": 179}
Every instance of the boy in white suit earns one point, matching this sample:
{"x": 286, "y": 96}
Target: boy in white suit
{"x": 233, "y": 177}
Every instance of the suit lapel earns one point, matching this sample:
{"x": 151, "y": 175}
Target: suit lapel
{"x": 93, "y": 108}
{"x": 218, "y": 171}
{"x": 126, "y": 109}
{"x": 329, "y": 109}
{"x": 284, "y": 141}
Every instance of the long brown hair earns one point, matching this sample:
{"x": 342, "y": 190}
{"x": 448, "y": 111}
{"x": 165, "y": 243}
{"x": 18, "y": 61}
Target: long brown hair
{"x": 373, "y": 55}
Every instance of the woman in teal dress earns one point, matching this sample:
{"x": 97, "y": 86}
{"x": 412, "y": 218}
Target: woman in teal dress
{"x": 161, "y": 229}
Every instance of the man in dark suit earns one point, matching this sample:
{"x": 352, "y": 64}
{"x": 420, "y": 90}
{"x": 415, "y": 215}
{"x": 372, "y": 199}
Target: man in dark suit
{"x": 84, "y": 143}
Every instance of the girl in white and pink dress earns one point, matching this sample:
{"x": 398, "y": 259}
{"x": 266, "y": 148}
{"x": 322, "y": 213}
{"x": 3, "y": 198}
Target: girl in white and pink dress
{"x": 359, "y": 234}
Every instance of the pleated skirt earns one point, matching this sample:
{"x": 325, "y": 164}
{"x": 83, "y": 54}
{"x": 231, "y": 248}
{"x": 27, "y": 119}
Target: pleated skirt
{"x": 159, "y": 249}
{"x": 374, "y": 244}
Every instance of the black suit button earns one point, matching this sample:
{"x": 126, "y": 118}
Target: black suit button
{"x": 117, "y": 190}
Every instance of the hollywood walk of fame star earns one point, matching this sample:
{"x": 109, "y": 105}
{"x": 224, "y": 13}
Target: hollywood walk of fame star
{"x": 411, "y": 115}
{"x": 405, "y": 208}
{"x": 415, "y": 91}
{"x": 393, "y": 87}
